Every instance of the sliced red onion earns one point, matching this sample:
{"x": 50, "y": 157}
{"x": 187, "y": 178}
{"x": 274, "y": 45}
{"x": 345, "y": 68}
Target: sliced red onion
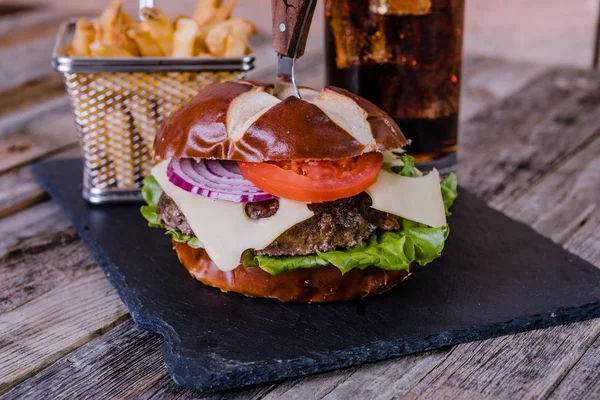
{"x": 232, "y": 166}
{"x": 215, "y": 179}
{"x": 218, "y": 168}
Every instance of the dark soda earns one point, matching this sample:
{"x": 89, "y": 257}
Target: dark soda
{"x": 405, "y": 56}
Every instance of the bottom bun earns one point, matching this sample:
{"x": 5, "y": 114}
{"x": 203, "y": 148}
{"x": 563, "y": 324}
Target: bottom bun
{"x": 316, "y": 285}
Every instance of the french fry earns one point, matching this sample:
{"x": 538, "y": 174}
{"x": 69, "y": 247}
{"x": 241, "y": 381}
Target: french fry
{"x": 158, "y": 24}
{"x": 97, "y": 30}
{"x": 217, "y": 35}
{"x": 146, "y": 44}
{"x": 200, "y": 48}
{"x": 205, "y": 11}
{"x": 116, "y": 34}
{"x": 115, "y": 23}
{"x": 83, "y": 37}
{"x": 98, "y": 49}
{"x": 223, "y": 12}
{"x": 240, "y": 27}
{"x": 234, "y": 46}
{"x": 184, "y": 38}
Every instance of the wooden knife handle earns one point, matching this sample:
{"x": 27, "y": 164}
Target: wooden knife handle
{"x": 289, "y": 36}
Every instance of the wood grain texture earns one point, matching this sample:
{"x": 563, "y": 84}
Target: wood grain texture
{"x": 383, "y": 380}
{"x": 19, "y": 189}
{"x": 35, "y": 23}
{"x": 24, "y": 62}
{"x": 16, "y": 228}
{"x": 520, "y": 366}
{"x": 43, "y": 330}
{"x": 116, "y": 365}
{"x": 41, "y": 137}
{"x": 585, "y": 241}
{"x": 41, "y": 263}
{"x": 561, "y": 202}
{"x": 488, "y": 80}
{"x": 166, "y": 389}
{"x": 29, "y": 102}
{"x": 507, "y": 151}
{"x": 583, "y": 380}
{"x": 490, "y": 128}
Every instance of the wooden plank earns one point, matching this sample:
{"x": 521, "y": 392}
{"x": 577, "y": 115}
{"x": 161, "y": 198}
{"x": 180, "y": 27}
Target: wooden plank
{"x": 582, "y": 381}
{"x": 488, "y": 80}
{"x": 560, "y": 203}
{"x": 35, "y": 23}
{"x": 521, "y": 366}
{"x": 585, "y": 241}
{"x": 379, "y": 380}
{"x": 516, "y": 116}
{"x": 41, "y": 138}
{"x": 43, "y": 330}
{"x": 24, "y": 62}
{"x": 41, "y": 263}
{"x": 167, "y": 389}
{"x": 34, "y": 101}
{"x": 16, "y": 228}
{"x": 126, "y": 354}
{"x": 19, "y": 189}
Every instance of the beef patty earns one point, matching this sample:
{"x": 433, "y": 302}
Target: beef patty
{"x": 342, "y": 223}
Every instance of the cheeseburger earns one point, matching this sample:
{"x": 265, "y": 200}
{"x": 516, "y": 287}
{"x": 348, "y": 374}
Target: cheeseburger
{"x": 305, "y": 200}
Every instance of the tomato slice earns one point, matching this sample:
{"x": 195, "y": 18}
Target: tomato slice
{"x": 315, "y": 181}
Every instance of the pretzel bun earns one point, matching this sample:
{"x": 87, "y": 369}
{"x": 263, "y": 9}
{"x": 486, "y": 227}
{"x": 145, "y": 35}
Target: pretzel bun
{"x": 318, "y": 285}
{"x": 244, "y": 121}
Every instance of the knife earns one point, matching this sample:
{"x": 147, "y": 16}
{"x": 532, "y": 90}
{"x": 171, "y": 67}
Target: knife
{"x": 291, "y": 23}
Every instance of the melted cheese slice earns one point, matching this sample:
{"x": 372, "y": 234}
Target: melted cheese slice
{"x": 417, "y": 199}
{"x": 223, "y": 226}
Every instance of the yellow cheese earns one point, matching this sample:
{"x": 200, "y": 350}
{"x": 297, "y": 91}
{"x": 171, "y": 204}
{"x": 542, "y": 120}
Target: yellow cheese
{"x": 223, "y": 226}
{"x": 417, "y": 199}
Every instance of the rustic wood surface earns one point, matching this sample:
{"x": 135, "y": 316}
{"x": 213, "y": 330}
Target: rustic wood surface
{"x": 529, "y": 146}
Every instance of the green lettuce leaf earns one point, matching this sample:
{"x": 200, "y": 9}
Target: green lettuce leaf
{"x": 449, "y": 191}
{"x": 151, "y": 192}
{"x": 278, "y": 265}
{"x": 394, "y": 250}
{"x": 408, "y": 168}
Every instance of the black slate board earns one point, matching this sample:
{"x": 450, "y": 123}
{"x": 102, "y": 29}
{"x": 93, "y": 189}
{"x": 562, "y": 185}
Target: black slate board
{"x": 496, "y": 277}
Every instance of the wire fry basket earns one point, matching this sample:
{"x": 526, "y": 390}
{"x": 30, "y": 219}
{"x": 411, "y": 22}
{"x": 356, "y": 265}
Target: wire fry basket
{"x": 119, "y": 104}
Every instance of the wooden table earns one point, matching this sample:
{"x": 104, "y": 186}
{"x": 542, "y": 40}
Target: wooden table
{"x": 64, "y": 333}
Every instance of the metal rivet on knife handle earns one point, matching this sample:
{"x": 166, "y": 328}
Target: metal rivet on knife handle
{"x": 295, "y": 16}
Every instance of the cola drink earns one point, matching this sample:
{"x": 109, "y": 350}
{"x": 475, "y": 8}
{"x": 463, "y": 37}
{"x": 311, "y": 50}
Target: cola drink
{"x": 405, "y": 56}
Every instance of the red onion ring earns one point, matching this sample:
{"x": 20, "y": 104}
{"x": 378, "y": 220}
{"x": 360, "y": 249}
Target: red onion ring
{"x": 216, "y": 179}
